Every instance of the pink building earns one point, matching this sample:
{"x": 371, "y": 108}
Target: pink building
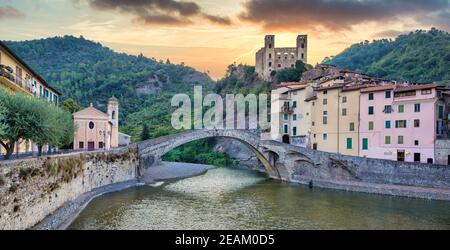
{"x": 400, "y": 122}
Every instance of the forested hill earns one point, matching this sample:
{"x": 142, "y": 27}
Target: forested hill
{"x": 88, "y": 72}
{"x": 420, "y": 56}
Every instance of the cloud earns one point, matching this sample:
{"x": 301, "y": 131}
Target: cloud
{"x": 389, "y": 33}
{"x": 334, "y": 14}
{"x": 158, "y": 12}
{"x": 10, "y": 12}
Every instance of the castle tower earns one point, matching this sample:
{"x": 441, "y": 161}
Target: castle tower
{"x": 302, "y": 48}
{"x": 113, "y": 113}
{"x": 269, "y": 46}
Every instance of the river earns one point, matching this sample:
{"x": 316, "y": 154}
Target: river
{"x": 226, "y": 198}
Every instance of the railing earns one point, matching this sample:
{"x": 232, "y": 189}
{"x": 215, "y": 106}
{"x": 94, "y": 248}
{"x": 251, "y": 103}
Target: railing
{"x": 8, "y": 73}
{"x": 287, "y": 109}
{"x": 34, "y": 154}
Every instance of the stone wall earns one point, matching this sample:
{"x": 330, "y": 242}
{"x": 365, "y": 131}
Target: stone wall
{"x": 302, "y": 163}
{"x": 442, "y": 151}
{"x": 31, "y": 189}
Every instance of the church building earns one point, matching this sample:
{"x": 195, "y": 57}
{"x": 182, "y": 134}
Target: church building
{"x": 96, "y": 130}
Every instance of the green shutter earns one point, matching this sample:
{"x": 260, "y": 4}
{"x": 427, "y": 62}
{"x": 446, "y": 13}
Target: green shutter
{"x": 365, "y": 145}
{"x": 349, "y": 143}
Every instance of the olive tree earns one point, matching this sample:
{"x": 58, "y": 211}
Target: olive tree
{"x": 26, "y": 117}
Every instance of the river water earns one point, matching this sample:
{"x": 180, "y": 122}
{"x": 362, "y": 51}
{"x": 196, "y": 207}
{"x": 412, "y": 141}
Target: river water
{"x": 227, "y": 198}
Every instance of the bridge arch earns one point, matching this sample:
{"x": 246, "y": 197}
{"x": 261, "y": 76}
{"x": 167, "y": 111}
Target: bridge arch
{"x": 151, "y": 151}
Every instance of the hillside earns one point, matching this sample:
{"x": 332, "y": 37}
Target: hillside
{"x": 420, "y": 56}
{"x": 88, "y": 72}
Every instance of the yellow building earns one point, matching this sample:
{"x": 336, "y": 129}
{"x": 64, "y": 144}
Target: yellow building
{"x": 335, "y": 117}
{"x": 17, "y": 76}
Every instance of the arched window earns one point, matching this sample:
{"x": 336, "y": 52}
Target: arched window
{"x": 270, "y": 64}
{"x": 113, "y": 115}
{"x": 91, "y": 125}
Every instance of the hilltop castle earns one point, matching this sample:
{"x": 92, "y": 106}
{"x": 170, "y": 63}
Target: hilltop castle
{"x": 270, "y": 59}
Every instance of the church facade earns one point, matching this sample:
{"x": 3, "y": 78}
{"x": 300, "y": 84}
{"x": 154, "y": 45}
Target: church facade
{"x": 96, "y": 130}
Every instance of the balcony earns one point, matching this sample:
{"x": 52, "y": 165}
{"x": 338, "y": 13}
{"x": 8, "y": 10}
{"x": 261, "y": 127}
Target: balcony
{"x": 286, "y": 109}
{"x": 16, "y": 84}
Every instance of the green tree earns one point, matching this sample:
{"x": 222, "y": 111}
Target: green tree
{"x": 145, "y": 135}
{"x": 70, "y": 106}
{"x": 26, "y": 117}
{"x": 291, "y": 74}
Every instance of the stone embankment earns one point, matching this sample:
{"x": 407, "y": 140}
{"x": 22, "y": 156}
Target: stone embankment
{"x": 49, "y": 192}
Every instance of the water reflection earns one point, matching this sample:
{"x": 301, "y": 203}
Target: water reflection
{"x": 238, "y": 199}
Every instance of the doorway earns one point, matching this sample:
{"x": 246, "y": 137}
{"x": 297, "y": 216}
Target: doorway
{"x": 401, "y": 155}
{"x": 91, "y": 146}
{"x": 315, "y": 146}
{"x": 286, "y": 139}
{"x": 416, "y": 157}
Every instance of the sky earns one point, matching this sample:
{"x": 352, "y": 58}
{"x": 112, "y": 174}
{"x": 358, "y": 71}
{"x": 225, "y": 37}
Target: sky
{"x": 211, "y": 34}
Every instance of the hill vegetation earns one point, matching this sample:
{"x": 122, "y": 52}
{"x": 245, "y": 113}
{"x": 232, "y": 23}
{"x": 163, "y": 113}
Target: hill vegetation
{"x": 420, "y": 56}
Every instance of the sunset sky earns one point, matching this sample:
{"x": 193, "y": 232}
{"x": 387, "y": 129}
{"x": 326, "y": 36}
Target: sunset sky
{"x": 211, "y": 34}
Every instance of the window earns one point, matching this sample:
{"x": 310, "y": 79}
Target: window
{"x": 285, "y": 117}
{"x": 400, "y": 124}
{"x": 91, "y": 125}
{"x": 387, "y": 140}
{"x": 294, "y": 104}
{"x": 303, "y": 45}
{"x": 325, "y": 120}
{"x": 270, "y": 55}
{"x": 100, "y": 144}
{"x": 294, "y": 131}
{"x": 295, "y": 93}
{"x": 365, "y": 144}
{"x": 352, "y": 126}
{"x": 344, "y": 99}
{"x": 401, "y": 108}
{"x": 294, "y": 117}
{"x": 404, "y": 94}
{"x": 344, "y": 112}
{"x": 400, "y": 139}
{"x": 81, "y": 144}
{"x": 325, "y": 137}
{"x": 349, "y": 143}
{"x": 270, "y": 45}
{"x": 370, "y": 125}
{"x": 370, "y": 96}
{"x": 325, "y": 92}
{"x": 417, "y": 123}
{"x": 426, "y": 92}
{"x": 387, "y": 94}
{"x": 313, "y": 123}
{"x": 417, "y": 107}
{"x": 270, "y": 64}
{"x": 325, "y": 101}
{"x": 416, "y": 157}
{"x": 279, "y": 65}
{"x": 387, "y": 109}
{"x": 441, "y": 112}
{"x": 286, "y": 129}
{"x": 113, "y": 115}
{"x": 303, "y": 56}
{"x": 388, "y": 124}
{"x": 370, "y": 110}
{"x": 416, "y": 142}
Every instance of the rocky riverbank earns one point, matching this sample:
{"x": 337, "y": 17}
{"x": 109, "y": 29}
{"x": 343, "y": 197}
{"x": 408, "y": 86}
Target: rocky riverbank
{"x": 64, "y": 216}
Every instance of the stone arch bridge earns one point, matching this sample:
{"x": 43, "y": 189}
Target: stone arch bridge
{"x": 272, "y": 155}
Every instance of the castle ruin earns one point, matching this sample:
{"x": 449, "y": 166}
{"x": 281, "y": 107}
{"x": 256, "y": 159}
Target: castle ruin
{"x": 269, "y": 58}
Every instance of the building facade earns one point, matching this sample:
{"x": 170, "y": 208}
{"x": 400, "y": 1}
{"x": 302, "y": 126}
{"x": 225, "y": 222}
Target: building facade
{"x": 96, "y": 130}
{"x": 401, "y": 122}
{"x": 17, "y": 77}
{"x": 291, "y": 110}
{"x": 270, "y": 58}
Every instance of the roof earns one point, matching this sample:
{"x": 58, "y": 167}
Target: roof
{"x": 378, "y": 88}
{"x": 286, "y": 84}
{"x": 91, "y": 112}
{"x": 311, "y": 98}
{"x": 415, "y": 87}
{"x": 334, "y": 86}
{"x": 36, "y": 75}
{"x": 355, "y": 87}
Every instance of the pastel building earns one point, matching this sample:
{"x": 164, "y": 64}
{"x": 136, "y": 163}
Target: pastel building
{"x": 335, "y": 117}
{"x": 401, "y": 122}
{"x": 95, "y": 129}
{"x": 17, "y": 76}
{"x": 291, "y": 113}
